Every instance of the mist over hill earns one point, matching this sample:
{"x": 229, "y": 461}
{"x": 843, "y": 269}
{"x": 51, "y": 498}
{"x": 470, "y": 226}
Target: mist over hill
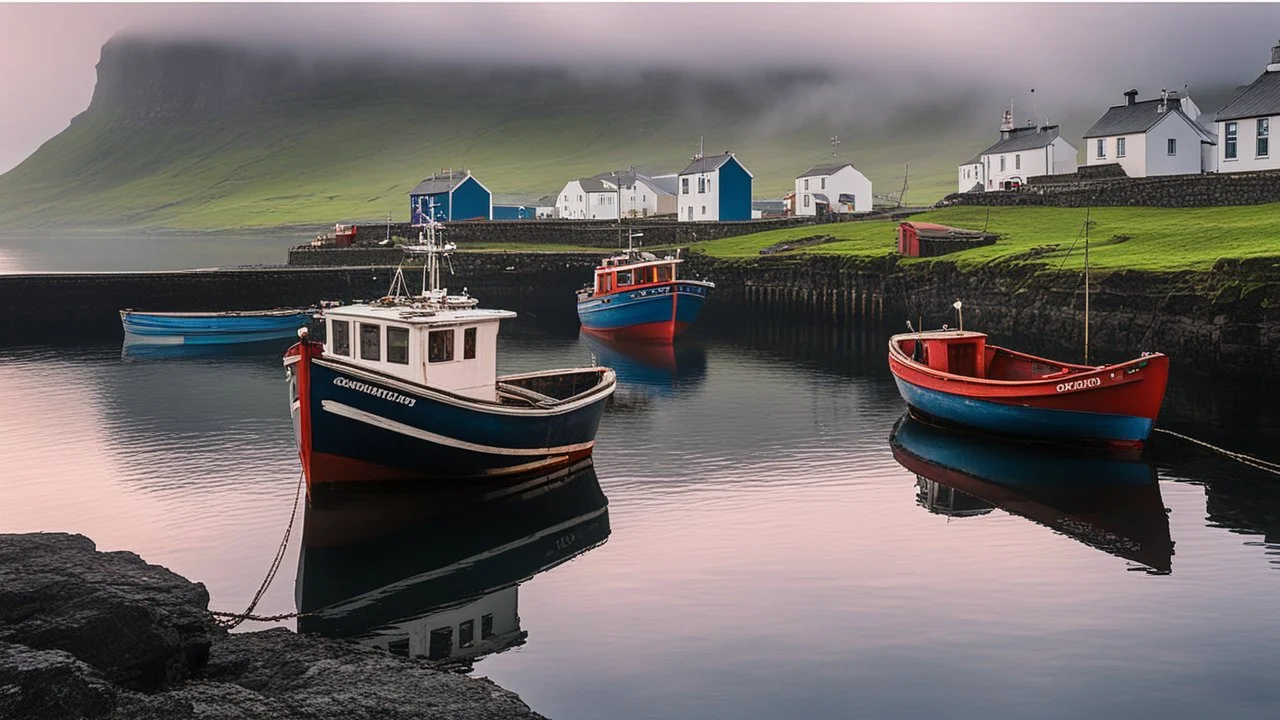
{"x": 199, "y": 134}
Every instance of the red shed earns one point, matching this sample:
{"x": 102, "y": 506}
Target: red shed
{"x": 922, "y": 239}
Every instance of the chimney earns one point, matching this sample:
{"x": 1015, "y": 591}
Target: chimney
{"x": 1006, "y": 124}
{"x": 1164, "y": 100}
{"x": 1275, "y": 59}
{"x": 1131, "y": 97}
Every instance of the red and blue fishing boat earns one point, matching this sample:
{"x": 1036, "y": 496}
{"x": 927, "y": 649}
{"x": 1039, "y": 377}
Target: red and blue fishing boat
{"x": 955, "y": 377}
{"x": 406, "y": 388}
{"x": 636, "y": 296}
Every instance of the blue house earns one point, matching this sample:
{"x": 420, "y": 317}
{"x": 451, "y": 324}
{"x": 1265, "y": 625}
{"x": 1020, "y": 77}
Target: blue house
{"x": 451, "y": 195}
{"x": 715, "y": 188}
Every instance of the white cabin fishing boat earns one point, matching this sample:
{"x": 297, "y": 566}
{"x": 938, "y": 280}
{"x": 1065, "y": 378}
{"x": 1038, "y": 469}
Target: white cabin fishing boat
{"x": 406, "y": 387}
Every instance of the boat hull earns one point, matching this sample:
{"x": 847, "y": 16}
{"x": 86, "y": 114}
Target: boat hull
{"x": 653, "y": 314}
{"x": 357, "y": 426}
{"x": 221, "y": 328}
{"x": 1111, "y": 404}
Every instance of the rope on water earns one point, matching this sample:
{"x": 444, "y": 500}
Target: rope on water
{"x": 232, "y": 620}
{"x": 1264, "y": 465}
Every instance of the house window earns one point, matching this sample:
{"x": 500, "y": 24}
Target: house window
{"x": 466, "y": 633}
{"x": 370, "y": 342}
{"x": 1229, "y": 148}
{"x": 1017, "y": 162}
{"x": 1102, "y": 147}
{"x": 704, "y": 209}
{"x": 684, "y": 186}
{"x": 1001, "y": 163}
{"x": 806, "y": 201}
{"x": 806, "y": 183}
{"x": 469, "y": 344}
{"x": 440, "y": 644}
{"x": 644, "y": 198}
{"x": 486, "y": 626}
{"x": 702, "y": 184}
{"x": 1264, "y": 136}
{"x": 1173, "y": 146}
{"x": 823, "y": 181}
{"x": 440, "y": 346}
{"x": 340, "y": 331}
{"x": 398, "y": 345}
{"x": 1119, "y": 147}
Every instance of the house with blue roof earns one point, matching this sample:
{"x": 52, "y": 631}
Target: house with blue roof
{"x": 450, "y": 196}
{"x": 715, "y": 188}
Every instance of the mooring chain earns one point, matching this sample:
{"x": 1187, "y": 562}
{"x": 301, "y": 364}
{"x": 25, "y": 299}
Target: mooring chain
{"x": 1267, "y": 466}
{"x": 234, "y": 619}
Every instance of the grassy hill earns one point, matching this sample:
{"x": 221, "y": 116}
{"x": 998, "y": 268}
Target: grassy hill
{"x": 228, "y": 140}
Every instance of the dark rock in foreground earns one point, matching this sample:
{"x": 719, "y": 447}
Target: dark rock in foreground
{"x": 86, "y": 634}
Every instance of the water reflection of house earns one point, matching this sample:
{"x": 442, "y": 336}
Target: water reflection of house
{"x": 436, "y": 575}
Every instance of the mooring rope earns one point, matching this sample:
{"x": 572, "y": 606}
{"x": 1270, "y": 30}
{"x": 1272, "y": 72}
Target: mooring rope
{"x": 1267, "y": 466}
{"x": 232, "y": 620}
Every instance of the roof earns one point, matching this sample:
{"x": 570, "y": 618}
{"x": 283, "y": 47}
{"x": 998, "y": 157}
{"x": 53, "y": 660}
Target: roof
{"x": 666, "y": 183}
{"x": 1025, "y": 138}
{"x": 711, "y": 163}
{"x": 440, "y": 183}
{"x": 1260, "y": 98}
{"x": 977, "y": 160}
{"x": 829, "y": 169}
{"x": 595, "y": 185}
{"x": 1136, "y": 118}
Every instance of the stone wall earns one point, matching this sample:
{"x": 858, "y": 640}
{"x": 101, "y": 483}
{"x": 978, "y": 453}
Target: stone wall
{"x": 308, "y": 256}
{"x": 1174, "y": 191}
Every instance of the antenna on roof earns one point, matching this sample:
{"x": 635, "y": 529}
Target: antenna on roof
{"x": 835, "y": 142}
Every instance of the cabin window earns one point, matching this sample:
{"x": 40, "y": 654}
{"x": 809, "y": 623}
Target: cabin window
{"x": 1120, "y": 147}
{"x": 398, "y": 345}
{"x": 469, "y": 344}
{"x": 1229, "y": 148}
{"x": 441, "y": 643}
{"x": 624, "y": 277}
{"x": 1264, "y": 136}
{"x": 486, "y": 626}
{"x": 466, "y": 633}
{"x": 340, "y": 331}
{"x": 664, "y": 273}
{"x": 1173, "y": 146}
{"x": 440, "y": 346}
{"x": 370, "y": 342}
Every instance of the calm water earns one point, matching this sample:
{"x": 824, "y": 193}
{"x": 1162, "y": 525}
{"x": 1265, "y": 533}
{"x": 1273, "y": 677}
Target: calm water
{"x": 745, "y": 545}
{"x": 39, "y": 252}
{"x": 762, "y": 553}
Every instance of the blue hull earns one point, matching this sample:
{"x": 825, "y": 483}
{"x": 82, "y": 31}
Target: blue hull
{"x": 366, "y": 428}
{"x": 209, "y": 328}
{"x": 649, "y": 306}
{"x": 1015, "y": 420}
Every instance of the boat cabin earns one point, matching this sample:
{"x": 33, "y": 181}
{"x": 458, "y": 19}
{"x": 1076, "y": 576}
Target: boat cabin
{"x": 625, "y": 273}
{"x": 455, "y": 350}
{"x": 958, "y": 352}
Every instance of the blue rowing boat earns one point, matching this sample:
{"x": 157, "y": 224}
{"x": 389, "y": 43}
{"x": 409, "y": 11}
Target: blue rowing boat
{"x": 211, "y": 328}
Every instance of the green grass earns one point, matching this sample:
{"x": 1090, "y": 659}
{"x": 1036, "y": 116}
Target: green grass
{"x": 1138, "y": 238}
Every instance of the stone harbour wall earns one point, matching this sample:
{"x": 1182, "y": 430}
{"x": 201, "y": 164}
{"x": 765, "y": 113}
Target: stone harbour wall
{"x": 1173, "y": 191}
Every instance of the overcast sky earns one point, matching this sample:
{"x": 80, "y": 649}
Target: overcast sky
{"x": 1070, "y": 52}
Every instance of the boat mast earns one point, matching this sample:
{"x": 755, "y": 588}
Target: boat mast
{"x": 1086, "y": 286}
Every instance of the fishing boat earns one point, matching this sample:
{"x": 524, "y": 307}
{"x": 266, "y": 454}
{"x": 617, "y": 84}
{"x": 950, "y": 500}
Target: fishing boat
{"x": 211, "y": 328}
{"x": 636, "y": 296}
{"x": 1106, "y": 501}
{"x": 433, "y": 572}
{"x": 406, "y": 387}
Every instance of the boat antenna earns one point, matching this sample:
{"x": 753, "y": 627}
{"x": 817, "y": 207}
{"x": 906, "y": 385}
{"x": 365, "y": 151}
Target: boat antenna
{"x": 959, "y": 306}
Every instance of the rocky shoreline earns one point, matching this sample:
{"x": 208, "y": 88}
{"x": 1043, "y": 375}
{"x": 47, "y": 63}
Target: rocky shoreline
{"x": 90, "y": 634}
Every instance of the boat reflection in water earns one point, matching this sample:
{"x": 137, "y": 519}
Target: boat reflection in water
{"x": 1108, "y": 503}
{"x": 435, "y": 574}
{"x": 133, "y": 351}
{"x": 658, "y": 369}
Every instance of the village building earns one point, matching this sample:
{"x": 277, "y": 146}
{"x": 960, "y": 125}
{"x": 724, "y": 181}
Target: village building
{"x": 1244, "y": 123}
{"x": 1020, "y": 153}
{"x": 832, "y": 188}
{"x": 1162, "y": 136}
{"x": 602, "y": 197}
{"x": 450, "y": 196}
{"x": 715, "y": 188}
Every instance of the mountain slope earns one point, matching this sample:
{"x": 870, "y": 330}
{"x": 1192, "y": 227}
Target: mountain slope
{"x": 208, "y": 137}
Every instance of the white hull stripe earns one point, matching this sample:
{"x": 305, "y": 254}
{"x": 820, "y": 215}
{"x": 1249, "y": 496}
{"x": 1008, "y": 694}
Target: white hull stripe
{"x": 368, "y": 418}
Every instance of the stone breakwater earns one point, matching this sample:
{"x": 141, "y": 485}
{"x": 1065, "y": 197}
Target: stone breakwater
{"x": 1171, "y": 191}
{"x": 104, "y": 635}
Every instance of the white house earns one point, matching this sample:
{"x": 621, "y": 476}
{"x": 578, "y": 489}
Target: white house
{"x": 715, "y": 188}
{"x": 1021, "y": 153}
{"x": 1244, "y": 124}
{"x": 600, "y": 197}
{"x": 837, "y": 187}
{"x": 1152, "y": 137}
{"x": 971, "y": 178}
